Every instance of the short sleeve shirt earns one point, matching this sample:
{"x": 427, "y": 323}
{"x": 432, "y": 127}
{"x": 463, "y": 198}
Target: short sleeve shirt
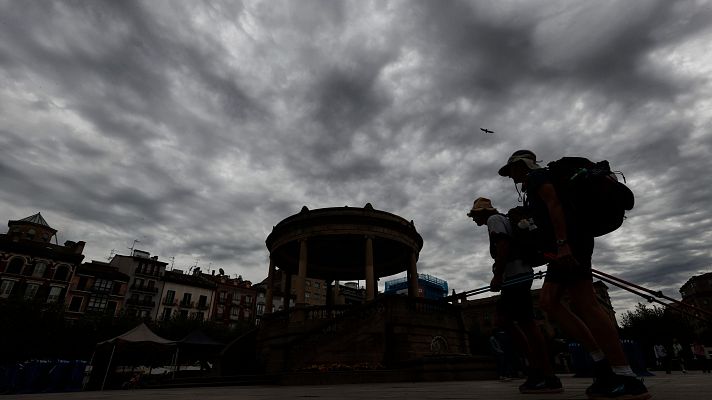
{"x": 498, "y": 225}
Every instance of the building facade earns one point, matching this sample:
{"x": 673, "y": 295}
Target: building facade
{"x": 235, "y": 300}
{"x": 145, "y": 280}
{"x": 429, "y": 287}
{"x": 33, "y": 268}
{"x": 185, "y": 296}
{"x": 697, "y": 291}
{"x": 97, "y": 287}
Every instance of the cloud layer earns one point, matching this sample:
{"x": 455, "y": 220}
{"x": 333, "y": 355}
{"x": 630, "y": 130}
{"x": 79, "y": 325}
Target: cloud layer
{"x": 195, "y": 127}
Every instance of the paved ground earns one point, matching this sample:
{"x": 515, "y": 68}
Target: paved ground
{"x": 692, "y": 386}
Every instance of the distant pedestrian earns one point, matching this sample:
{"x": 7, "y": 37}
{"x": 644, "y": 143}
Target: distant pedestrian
{"x": 662, "y": 358}
{"x": 678, "y": 355}
{"x": 513, "y": 277}
{"x": 699, "y": 352}
{"x": 570, "y": 273}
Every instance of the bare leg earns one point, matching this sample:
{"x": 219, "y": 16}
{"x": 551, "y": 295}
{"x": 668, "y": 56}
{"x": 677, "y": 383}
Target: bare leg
{"x": 583, "y": 298}
{"x": 550, "y": 301}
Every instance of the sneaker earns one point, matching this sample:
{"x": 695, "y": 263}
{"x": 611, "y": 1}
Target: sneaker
{"x": 535, "y": 385}
{"x": 618, "y": 387}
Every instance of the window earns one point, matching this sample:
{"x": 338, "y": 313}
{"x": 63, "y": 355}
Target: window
{"x": 76, "y": 304}
{"x": 6, "y": 289}
{"x": 82, "y": 284}
{"x": 15, "y": 266}
{"x": 138, "y": 283}
{"x": 170, "y": 296}
{"x": 260, "y": 309}
{"x": 223, "y": 296}
{"x": 317, "y": 285}
{"x": 97, "y": 303}
{"x": 202, "y": 300}
{"x": 184, "y": 314}
{"x": 167, "y": 312}
{"x": 111, "y": 308}
{"x": 151, "y": 284}
{"x": 54, "y": 293}
{"x": 235, "y": 311}
{"x": 248, "y": 299}
{"x": 103, "y": 285}
{"x": 62, "y": 273}
{"x": 186, "y": 300}
{"x": 31, "y": 291}
{"x": 40, "y": 269}
{"x": 220, "y": 310}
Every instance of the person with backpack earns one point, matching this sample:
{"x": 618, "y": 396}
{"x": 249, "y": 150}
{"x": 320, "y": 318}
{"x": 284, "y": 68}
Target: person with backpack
{"x": 565, "y": 232}
{"x": 513, "y": 277}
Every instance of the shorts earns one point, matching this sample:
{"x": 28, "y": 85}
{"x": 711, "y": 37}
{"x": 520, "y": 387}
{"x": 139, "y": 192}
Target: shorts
{"x": 582, "y": 250}
{"x": 515, "y": 302}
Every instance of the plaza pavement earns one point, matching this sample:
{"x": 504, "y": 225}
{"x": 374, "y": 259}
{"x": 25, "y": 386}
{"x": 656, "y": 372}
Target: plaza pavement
{"x": 691, "y": 386}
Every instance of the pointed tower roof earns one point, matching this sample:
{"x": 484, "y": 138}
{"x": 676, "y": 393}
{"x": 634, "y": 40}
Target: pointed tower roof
{"x": 36, "y": 219}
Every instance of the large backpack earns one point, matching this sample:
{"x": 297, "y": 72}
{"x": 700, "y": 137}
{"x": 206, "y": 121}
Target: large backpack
{"x": 598, "y": 200}
{"x": 527, "y": 240}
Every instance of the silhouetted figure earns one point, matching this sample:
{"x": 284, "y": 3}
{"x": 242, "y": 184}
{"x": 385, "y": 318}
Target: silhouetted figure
{"x": 662, "y": 358}
{"x": 678, "y": 354}
{"x": 570, "y": 272}
{"x": 701, "y": 357}
{"x": 514, "y": 277}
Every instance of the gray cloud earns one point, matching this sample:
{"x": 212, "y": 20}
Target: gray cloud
{"x": 196, "y": 127}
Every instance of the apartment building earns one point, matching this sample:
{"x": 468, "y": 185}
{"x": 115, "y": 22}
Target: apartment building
{"x": 33, "y": 268}
{"x": 185, "y": 296}
{"x": 145, "y": 281}
{"x": 97, "y": 287}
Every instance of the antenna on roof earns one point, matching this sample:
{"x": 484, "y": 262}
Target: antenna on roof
{"x": 133, "y": 245}
{"x": 111, "y": 255}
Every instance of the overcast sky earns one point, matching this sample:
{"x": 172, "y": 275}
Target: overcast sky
{"x": 195, "y": 127}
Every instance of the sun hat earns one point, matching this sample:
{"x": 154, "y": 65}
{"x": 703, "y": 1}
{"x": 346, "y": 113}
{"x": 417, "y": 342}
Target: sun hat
{"x": 526, "y": 156}
{"x": 481, "y": 204}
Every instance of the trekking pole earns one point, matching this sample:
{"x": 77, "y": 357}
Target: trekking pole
{"x": 650, "y": 299}
{"x": 658, "y": 293}
{"x": 484, "y": 289}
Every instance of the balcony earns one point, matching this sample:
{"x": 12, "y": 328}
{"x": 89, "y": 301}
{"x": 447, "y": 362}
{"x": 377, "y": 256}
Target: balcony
{"x": 186, "y": 304}
{"x": 203, "y": 306}
{"x": 146, "y": 272}
{"x": 141, "y": 303}
{"x": 144, "y": 288}
{"x": 170, "y": 302}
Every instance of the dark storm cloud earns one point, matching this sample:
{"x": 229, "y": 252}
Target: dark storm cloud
{"x": 196, "y": 127}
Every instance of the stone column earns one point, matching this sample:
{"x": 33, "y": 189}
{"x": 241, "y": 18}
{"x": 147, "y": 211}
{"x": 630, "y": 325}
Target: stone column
{"x": 269, "y": 296}
{"x": 413, "y": 276}
{"x": 301, "y": 279}
{"x": 370, "y": 276}
{"x": 329, "y": 294}
{"x": 287, "y": 286}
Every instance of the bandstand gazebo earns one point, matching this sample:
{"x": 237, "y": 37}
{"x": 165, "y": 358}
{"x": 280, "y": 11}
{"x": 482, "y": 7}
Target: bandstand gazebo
{"x": 418, "y": 338}
{"x": 342, "y": 243}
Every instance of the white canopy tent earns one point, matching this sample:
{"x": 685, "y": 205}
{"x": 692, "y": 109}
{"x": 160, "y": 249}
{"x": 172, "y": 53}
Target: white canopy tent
{"x": 139, "y": 334}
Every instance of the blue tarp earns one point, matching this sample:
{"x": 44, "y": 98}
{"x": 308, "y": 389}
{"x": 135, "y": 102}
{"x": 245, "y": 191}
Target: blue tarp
{"x": 42, "y": 376}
